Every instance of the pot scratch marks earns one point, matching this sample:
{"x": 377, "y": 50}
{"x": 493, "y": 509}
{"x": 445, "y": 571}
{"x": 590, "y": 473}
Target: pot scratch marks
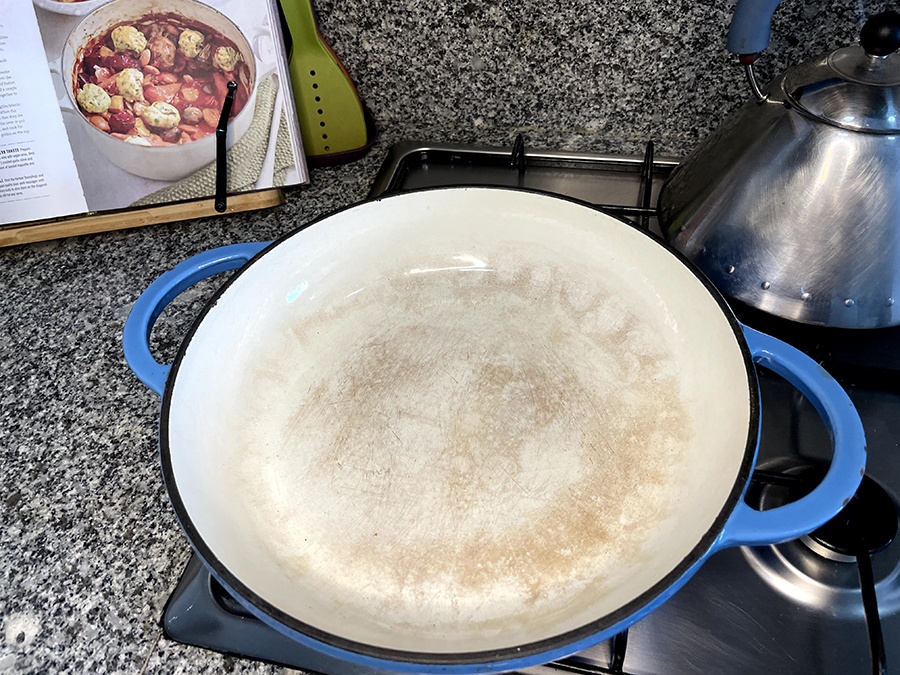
{"x": 461, "y": 447}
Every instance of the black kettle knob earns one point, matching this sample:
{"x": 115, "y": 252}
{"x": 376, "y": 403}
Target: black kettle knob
{"x": 880, "y": 35}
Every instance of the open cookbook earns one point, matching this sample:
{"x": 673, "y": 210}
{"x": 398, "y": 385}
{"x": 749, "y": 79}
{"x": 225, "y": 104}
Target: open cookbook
{"x": 112, "y": 104}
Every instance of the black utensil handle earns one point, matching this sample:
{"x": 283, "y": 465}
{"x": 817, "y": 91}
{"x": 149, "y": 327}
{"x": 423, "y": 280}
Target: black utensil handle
{"x": 221, "y": 149}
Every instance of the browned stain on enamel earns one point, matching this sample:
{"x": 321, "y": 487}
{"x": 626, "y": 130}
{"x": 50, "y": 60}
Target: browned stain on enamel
{"x": 434, "y": 413}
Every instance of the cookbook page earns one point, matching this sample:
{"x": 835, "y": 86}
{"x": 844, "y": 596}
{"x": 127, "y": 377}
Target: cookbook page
{"x": 142, "y": 83}
{"x": 38, "y": 177}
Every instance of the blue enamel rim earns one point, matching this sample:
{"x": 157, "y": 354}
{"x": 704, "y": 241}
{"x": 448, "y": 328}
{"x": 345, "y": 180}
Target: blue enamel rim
{"x": 506, "y": 658}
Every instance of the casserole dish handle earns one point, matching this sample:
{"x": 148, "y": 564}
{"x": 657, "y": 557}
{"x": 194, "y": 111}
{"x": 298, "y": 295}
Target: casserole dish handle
{"x": 151, "y": 303}
{"x": 747, "y": 526}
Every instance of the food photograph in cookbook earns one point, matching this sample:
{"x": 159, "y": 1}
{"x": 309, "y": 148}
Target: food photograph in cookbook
{"x": 161, "y": 80}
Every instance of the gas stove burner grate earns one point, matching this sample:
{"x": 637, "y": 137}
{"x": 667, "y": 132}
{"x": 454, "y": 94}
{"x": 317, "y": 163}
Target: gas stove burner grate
{"x": 624, "y": 186}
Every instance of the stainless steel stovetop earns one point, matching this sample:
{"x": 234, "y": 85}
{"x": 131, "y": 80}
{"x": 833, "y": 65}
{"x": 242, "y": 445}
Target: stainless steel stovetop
{"x": 783, "y": 609}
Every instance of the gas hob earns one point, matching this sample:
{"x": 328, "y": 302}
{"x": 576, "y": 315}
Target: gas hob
{"x": 828, "y": 603}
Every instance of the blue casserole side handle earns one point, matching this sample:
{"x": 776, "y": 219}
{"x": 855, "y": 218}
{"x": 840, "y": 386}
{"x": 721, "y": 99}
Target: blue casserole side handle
{"x": 151, "y": 303}
{"x": 751, "y": 26}
{"x": 748, "y": 526}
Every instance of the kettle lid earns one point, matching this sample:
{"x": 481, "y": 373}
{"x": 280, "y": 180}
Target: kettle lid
{"x": 856, "y": 87}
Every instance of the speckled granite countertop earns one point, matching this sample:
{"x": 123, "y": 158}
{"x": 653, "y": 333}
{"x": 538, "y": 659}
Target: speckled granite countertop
{"x": 89, "y": 547}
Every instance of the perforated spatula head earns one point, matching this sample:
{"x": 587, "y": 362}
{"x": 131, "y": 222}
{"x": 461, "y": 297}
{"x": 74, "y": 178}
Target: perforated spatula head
{"x": 332, "y": 118}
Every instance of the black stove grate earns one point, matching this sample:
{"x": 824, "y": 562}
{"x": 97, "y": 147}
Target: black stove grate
{"x": 624, "y": 186}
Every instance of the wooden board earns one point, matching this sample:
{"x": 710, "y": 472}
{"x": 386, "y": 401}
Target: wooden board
{"x": 26, "y": 233}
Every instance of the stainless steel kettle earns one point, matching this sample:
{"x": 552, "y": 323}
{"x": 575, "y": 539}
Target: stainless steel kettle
{"x": 792, "y": 206}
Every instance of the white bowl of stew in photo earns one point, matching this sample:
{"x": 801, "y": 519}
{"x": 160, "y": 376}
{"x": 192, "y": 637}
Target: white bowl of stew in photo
{"x": 149, "y": 83}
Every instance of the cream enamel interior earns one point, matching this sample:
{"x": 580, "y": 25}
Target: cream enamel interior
{"x": 458, "y": 420}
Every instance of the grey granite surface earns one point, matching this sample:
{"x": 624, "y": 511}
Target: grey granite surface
{"x": 89, "y": 547}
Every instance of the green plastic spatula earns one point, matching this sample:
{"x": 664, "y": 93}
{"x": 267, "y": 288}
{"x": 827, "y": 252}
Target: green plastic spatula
{"x": 331, "y": 114}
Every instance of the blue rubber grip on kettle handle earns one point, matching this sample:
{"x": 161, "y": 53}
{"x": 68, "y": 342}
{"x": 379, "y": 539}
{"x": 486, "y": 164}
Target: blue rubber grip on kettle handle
{"x": 751, "y": 26}
{"x": 747, "y": 526}
{"x": 151, "y": 303}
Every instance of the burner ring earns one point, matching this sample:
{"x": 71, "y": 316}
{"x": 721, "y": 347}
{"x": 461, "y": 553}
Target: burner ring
{"x": 826, "y": 551}
{"x": 782, "y": 568}
{"x": 813, "y": 571}
{"x": 867, "y": 525}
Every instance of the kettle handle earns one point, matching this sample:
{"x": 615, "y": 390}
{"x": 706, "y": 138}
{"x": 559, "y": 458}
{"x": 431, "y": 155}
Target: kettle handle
{"x": 751, "y": 26}
{"x": 751, "y": 29}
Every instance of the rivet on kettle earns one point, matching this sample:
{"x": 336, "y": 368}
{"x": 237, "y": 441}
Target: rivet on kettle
{"x": 805, "y": 296}
{"x": 765, "y": 285}
{"x": 730, "y": 269}
{"x": 849, "y": 302}
{"x": 890, "y": 302}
